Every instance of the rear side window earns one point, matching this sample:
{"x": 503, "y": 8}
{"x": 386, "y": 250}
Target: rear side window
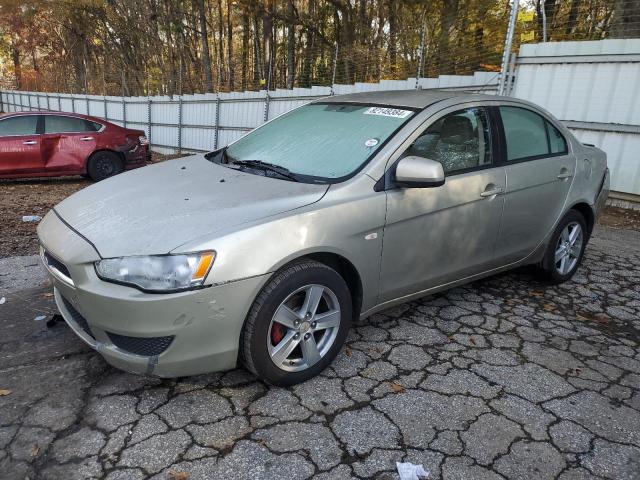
{"x": 63, "y": 124}
{"x": 23, "y": 125}
{"x": 556, "y": 141}
{"x": 528, "y": 134}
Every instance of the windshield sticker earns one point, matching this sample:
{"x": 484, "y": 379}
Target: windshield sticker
{"x": 388, "y": 112}
{"x": 372, "y": 142}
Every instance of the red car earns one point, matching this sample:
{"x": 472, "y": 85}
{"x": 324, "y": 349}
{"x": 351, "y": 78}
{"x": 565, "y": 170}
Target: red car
{"x": 48, "y": 144}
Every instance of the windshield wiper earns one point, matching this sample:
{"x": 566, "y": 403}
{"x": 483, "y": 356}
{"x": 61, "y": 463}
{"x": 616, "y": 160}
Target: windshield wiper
{"x": 282, "y": 171}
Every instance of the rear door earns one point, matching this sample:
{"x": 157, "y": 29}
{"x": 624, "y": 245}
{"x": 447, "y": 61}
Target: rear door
{"x": 539, "y": 171}
{"x": 67, "y": 142}
{"x": 20, "y": 145}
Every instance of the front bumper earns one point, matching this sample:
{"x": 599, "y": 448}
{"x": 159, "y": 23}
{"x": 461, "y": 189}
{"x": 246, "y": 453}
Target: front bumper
{"x": 201, "y": 327}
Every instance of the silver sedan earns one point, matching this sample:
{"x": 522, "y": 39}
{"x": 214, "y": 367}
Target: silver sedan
{"x": 263, "y": 252}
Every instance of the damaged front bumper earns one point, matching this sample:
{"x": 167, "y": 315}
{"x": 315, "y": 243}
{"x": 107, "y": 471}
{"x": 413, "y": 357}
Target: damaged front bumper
{"x": 166, "y": 335}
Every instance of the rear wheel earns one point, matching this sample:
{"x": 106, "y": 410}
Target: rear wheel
{"x": 566, "y": 248}
{"x": 297, "y": 324}
{"x": 104, "y": 164}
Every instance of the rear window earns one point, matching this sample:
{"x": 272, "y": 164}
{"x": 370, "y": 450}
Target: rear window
{"x": 23, "y": 125}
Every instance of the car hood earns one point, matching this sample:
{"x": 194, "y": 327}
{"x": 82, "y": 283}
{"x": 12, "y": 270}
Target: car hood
{"x": 155, "y": 209}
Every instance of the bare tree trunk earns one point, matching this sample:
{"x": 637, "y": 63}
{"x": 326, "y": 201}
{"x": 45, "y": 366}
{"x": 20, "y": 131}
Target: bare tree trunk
{"x": 307, "y": 73}
{"x": 257, "y": 53}
{"x": 267, "y": 39}
{"x": 17, "y": 67}
{"x": 448, "y": 14}
{"x": 221, "y": 79}
{"x": 230, "y": 47}
{"x": 291, "y": 46}
{"x": 393, "y": 37}
{"x": 206, "y": 56}
{"x": 245, "y": 48}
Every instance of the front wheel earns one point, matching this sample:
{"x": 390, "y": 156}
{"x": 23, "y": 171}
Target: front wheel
{"x": 297, "y": 324}
{"x": 566, "y": 248}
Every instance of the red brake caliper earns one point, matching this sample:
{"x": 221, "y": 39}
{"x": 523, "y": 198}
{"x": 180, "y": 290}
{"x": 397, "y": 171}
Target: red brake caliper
{"x": 277, "y": 333}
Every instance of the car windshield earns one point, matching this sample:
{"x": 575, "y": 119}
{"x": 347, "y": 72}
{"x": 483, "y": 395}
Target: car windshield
{"x": 323, "y": 141}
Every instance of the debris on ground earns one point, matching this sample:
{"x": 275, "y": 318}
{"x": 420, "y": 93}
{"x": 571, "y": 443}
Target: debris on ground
{"x": 410, "y": 471}
{"x": 39, "y": 318}
{"x": 2, "y": 300}
{"x": 31, "y": 218}
{"x": 4, "y": 392}
{"x": 397, "y": 388}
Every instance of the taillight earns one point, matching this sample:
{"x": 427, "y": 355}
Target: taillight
{"x": 142, "y": 140}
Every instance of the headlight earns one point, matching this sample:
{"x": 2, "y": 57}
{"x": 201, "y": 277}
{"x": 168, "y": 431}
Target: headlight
{"x": 158, "y": 273}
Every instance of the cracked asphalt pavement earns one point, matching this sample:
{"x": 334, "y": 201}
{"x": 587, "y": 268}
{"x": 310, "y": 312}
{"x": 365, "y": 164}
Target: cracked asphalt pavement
{"x": 503, "y": 378}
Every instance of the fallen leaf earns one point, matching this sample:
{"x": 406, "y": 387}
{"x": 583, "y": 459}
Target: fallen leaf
{"x": 348, "y": 352}
{"x": 177, "y": 475}
{"x": 472, "y": 340}
{"x": 397, "y": 388}
{"x": 549, "y": 307}
{"x": 4, "y": 392}
{"x": 47, "y": 295}
{"x": 35, "y": 450}
{"x": 537, "y": 293}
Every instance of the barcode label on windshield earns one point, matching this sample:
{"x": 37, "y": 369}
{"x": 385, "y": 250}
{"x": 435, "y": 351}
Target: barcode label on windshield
{"x": 388, "y": 112}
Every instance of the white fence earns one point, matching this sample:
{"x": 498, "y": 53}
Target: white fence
{"x": 594, "y": 87}
{"x": 204, "y": 122}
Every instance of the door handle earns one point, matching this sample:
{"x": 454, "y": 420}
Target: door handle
{"x": 492, "y": 192}
{"x": 564, "y": 175}
{"x": 30, "y": 142}
{"x": 86, "y": 139}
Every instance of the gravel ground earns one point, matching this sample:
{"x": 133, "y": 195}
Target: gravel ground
{"x": 503, "y": 378}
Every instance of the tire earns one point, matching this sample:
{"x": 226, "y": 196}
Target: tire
{"x": 553, "y": 269}
{"x": 103, "y": 165}
{"x": 284, "y": 354}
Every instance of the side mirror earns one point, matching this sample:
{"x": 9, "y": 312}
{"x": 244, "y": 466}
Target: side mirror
{"x": 419, "y": 172}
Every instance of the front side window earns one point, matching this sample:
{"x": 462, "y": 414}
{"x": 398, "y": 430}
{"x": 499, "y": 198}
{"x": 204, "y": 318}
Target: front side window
{"x": 324, "y": 141}
{"x": 528, "y": 134}
{"x": 23, "y": 125}
{"x": 64, "y": 124}
{"x": 459, "y": 141}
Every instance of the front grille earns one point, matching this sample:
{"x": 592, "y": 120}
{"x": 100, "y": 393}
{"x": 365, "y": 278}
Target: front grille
{"x": 77, "y": 317}
{"x": 57, "y": 264}
{"x": 145, "y": 346}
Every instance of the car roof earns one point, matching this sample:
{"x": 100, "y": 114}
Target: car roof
{"x": 52, "y": 112}
{"x": 406, "y": 98}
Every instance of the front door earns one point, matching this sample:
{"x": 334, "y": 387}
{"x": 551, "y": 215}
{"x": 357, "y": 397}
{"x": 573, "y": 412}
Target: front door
{"x": 539, "y": 170}
{"x": 20, "y": 145}
{"x": 434, "y": 236}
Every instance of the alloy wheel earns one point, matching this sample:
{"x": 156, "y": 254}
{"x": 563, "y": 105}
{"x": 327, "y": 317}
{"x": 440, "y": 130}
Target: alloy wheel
{"x": 568, "y": 248}
{"x": 304, "y": 328}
